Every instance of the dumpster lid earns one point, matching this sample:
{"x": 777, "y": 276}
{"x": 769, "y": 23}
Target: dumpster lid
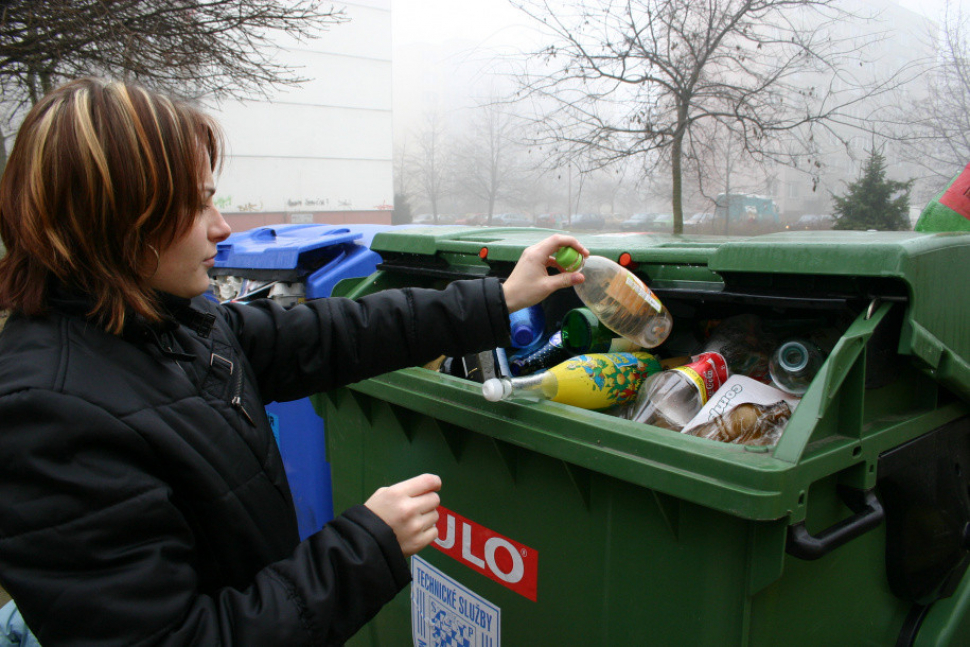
{"x": 931, "y": 268}
{"x": 281, "y": 247}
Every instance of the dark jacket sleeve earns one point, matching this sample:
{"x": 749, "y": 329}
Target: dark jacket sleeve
{"x": 332, "y": 342}
{"x": 94, "y": 551}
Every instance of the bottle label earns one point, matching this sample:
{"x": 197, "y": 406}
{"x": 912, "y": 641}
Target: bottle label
{"x": 632, "y": 295}
{"x": 707, "y": 372}
{"x": 538, "y": 357}
{"x": 601, "y": 380}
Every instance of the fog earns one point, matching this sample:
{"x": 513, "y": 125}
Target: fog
{"x": 449, "y": 57}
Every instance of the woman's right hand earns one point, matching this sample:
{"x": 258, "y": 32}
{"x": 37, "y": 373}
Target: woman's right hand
{"x": 530, "y": 282}
{"x": 410, "y": 508}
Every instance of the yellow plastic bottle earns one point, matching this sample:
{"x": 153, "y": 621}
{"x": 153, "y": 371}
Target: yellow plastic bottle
{"x": 593, "y": 381}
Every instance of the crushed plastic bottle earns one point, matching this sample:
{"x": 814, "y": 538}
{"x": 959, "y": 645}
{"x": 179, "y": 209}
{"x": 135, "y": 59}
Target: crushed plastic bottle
{"x": 594, "y": 381}
{"x": 747, "y": 424}
{"x": 618, "y": 298}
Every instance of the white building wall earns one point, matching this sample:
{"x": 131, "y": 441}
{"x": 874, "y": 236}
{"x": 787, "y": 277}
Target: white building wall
{"x": 325, "y": 145}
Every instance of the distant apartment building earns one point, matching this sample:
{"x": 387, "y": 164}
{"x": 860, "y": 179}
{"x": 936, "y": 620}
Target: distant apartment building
{"x": 904, "y": 44}
{"x": 320, "y": 152}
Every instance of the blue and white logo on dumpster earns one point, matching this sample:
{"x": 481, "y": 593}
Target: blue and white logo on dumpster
{"x": 446, "y": 614}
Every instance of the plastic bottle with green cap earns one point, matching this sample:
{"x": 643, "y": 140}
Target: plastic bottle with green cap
{"x": 618, "y": 298}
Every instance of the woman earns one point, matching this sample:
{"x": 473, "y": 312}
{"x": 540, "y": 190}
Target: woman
{"x": 143, "y": 499}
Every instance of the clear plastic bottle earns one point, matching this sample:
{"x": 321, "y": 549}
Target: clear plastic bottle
{"x": 594, "y": 381}
{"x": 794, "y": 364}
{"x": 618, "y": 298}
{"x": 526, "y": 326}
{"x": 745, "y": 345}
{"x": 672, "y": 398}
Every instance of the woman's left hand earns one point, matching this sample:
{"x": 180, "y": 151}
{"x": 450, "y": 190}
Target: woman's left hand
{"x": 530, "y": 282}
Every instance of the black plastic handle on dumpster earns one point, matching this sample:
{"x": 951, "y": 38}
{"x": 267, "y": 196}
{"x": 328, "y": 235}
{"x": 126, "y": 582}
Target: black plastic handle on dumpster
{"x": 868, "y": 513}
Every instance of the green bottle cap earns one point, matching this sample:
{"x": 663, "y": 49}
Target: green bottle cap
{"x": 569, "y": 259}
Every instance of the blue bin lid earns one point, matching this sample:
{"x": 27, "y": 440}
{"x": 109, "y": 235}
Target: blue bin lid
{"x": 280, "y": 247}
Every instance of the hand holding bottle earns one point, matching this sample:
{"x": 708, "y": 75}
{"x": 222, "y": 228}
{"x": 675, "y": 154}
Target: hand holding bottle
{"x": 530, "y": 282}
{"x": 618, "y": 298}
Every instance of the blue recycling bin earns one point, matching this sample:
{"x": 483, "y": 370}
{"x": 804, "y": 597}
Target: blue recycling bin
{"x": 292, "y": 263}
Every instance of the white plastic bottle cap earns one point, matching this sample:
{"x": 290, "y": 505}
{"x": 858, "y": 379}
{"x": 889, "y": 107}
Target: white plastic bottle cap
{"x": 494, "y": 389}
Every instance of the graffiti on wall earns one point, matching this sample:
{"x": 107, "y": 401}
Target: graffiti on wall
{"x": 225, "y": 203}
{"x": 320, "y": 203}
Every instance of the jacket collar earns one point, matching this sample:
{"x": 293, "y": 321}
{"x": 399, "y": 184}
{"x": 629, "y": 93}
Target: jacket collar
{"x": 175, "y": 311}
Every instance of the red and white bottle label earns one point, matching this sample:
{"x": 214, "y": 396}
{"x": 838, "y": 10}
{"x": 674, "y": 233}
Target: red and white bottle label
{"x": 504, "y": 560}
{"x": 707, "y": 372}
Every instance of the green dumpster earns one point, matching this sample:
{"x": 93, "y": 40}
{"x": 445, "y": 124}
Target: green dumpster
{"x": 561, "y": 526}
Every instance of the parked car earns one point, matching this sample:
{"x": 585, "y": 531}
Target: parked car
{"x": 474, "y": 219}
{"x": 661, "y": 222}
{"x": 701, "y": 222}
{"x": 549, "y": 220}
{"x": 638, "y": 222}
{"x": 612, "y": 221}
{"x": 429, "y": 219}
{"x": 511, "y": 220}
{"x": 586, "y": 221}
{"x": 814, "y": 221}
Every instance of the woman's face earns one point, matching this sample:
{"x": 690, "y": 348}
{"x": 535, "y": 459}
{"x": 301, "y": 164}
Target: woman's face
{"x": 183, "y": 266}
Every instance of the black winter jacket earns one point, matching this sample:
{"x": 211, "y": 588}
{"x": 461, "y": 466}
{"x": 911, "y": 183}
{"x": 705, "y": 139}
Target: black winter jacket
{"x": 142, "y": 497}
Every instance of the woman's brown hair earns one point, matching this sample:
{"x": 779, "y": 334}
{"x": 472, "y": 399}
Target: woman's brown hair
{"x": 102, "y": 175}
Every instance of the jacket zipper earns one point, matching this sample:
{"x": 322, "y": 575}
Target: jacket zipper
{"x": 237, "y": 401}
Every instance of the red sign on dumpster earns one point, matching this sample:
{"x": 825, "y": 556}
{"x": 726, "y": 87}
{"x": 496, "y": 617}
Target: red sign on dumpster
{"x": 504, "y": 560}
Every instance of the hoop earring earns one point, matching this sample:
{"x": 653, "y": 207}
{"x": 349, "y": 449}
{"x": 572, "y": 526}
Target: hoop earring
{"x": 158, "y": 261}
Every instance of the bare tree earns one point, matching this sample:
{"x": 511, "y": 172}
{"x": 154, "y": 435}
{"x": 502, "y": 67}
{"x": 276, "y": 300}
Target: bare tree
{"x": 643, "y": 77}
{"x": 941, "y": 133}
{"x": 608, "y": 184}
{"x": 190, "y": 48}
{"x": 194, "y": 47}
{"x": 430, "y": 164}
{"x": 487, "y": 156}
